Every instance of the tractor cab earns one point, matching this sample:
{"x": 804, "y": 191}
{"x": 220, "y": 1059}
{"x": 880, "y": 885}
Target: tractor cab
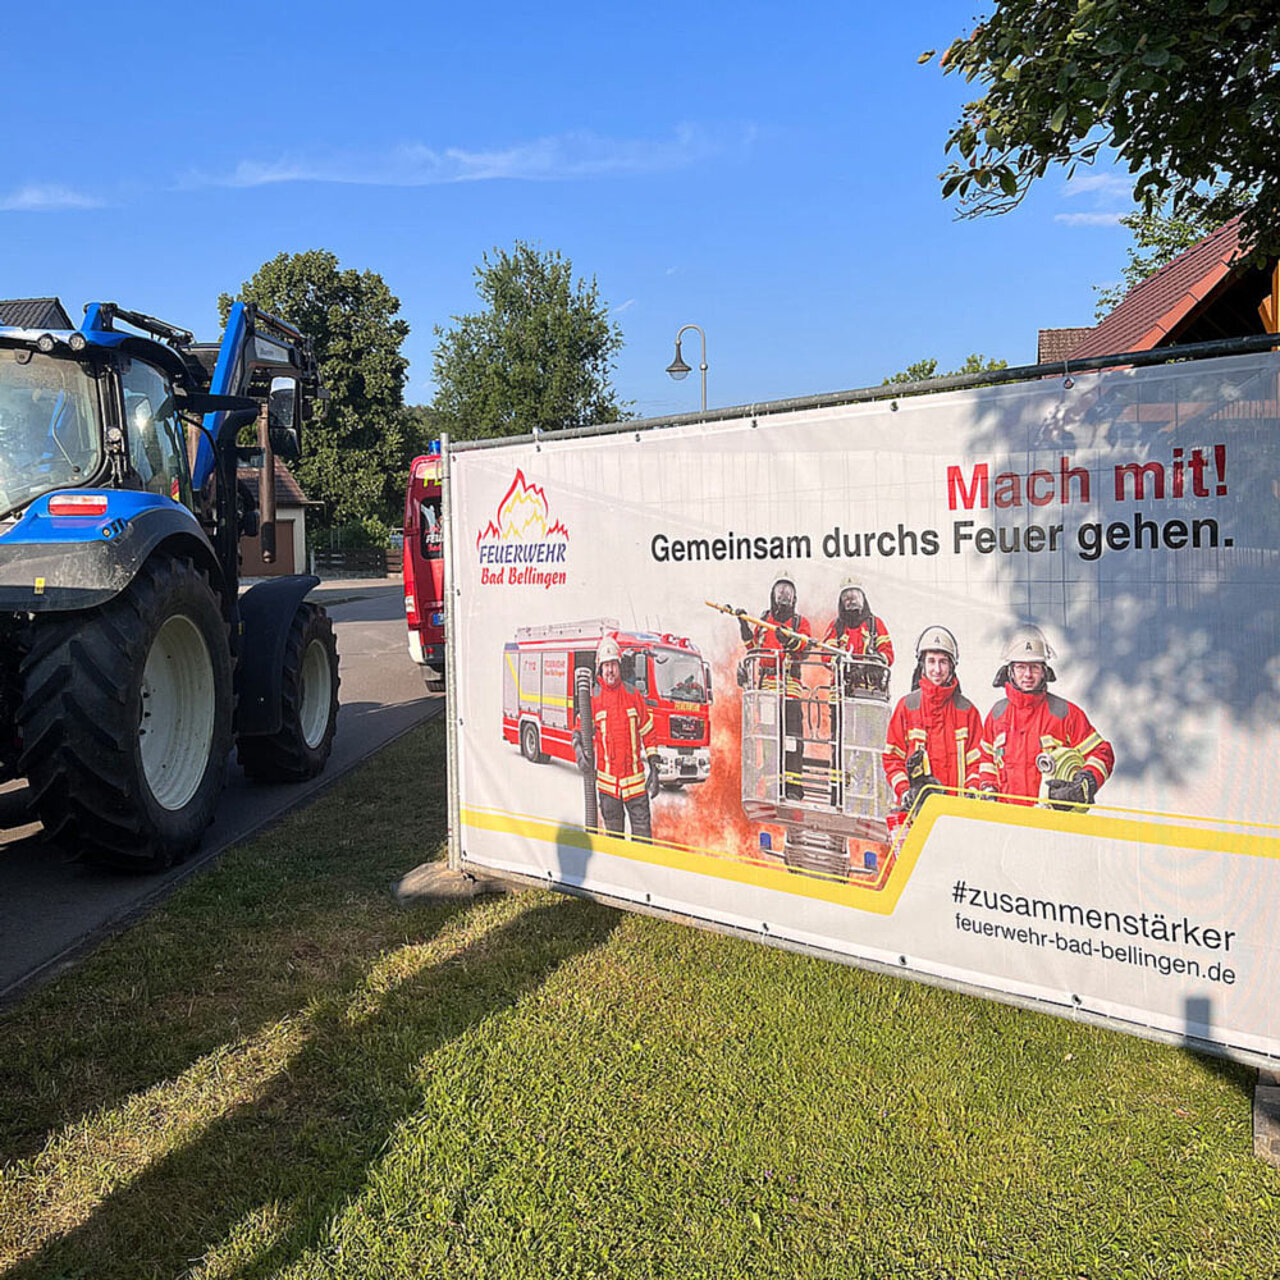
{"x": 50, "y": 425}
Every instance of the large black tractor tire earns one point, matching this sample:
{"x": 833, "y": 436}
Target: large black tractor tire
{"x": 308, "y": 705}
{"x": 125, "y": 719}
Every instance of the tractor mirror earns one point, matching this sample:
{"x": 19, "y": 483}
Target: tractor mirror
{"x": 142, "y": 416}
{"x": 283, "y": 421}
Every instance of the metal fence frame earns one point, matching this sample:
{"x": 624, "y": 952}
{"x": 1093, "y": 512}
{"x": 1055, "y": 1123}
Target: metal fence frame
{"x": 886, "y": 392}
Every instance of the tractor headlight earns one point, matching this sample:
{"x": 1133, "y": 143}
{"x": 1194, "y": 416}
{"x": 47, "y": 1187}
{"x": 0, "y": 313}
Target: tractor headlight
{"x": 45, "y": 343}
{"x": 77, "y": 342}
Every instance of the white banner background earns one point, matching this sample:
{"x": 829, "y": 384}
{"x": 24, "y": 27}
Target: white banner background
{"x": 1173, "y": 652}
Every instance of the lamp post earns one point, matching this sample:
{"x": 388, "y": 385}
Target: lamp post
{"x": 679, "y": 370}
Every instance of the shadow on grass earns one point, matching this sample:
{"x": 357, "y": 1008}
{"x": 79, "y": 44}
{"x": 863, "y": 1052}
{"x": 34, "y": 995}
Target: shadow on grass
{"x": 275, "y": 925}
{"x": 70, "y": 1065}
{"x": 306, "y": 1144}
{"x": 1197, "y": 1018}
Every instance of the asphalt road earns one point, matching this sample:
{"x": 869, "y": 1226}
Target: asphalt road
{"x": 53, "y": 909}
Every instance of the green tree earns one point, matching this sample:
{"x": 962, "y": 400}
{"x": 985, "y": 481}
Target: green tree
{"x": 539, "y": 355}
{"x": 1185, "y": 92}
{"x": 424, "y": 425}
{"x": 355, "y": 455}
{"x": 1158, "y": 238}
{"x": 923, "y": 370}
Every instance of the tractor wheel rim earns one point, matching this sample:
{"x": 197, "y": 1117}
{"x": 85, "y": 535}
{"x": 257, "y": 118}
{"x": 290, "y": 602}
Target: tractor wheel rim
{"x": 176, "y": 718}
{"x": 317, "y": 682}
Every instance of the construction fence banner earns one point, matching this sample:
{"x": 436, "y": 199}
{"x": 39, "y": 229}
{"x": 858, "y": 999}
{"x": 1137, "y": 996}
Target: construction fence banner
{"x": 686, "y": 676}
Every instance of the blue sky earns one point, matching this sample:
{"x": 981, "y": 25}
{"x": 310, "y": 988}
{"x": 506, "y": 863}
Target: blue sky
{"x": 767, "y": 172}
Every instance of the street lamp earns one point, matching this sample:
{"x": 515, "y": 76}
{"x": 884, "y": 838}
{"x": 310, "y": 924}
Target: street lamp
{"x": 679, "y": 370}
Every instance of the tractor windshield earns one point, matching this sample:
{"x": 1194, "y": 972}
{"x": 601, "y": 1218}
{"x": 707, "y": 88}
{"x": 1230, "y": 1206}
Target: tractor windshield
{"x": 49, "y": 436}
{"x": 679, "y": 676}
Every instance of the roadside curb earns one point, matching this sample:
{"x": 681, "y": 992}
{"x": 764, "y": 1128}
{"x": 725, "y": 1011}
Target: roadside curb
{"x": 334, "y": 591}
{"x": 346, "y": 590}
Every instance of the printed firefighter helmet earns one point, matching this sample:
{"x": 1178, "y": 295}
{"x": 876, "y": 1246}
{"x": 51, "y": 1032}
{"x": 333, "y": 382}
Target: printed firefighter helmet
{"x": 607, "y": 651}
{"x": 936, "y": 639}
{"x": 782, "y": 579}
{"x": 851, "y": 584}
{"x": 1025, "y": 644}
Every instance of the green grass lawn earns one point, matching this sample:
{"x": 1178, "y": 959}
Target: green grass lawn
{"x": 282, "y": 1072}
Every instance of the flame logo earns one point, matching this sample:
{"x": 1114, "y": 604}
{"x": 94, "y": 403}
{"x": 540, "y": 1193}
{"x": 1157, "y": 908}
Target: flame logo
{"x": 522, "y": 515}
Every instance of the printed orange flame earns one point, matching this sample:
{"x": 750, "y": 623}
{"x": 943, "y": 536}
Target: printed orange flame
{"x": 710, "y": 814}
{"x": 522, "y": 514}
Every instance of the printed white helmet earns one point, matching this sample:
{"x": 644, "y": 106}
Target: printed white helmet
{"x": 1027, "y": 644}
{"x": 784, "y": 577}
{"x": 607, "y": 651}
{"x": 850, "y": 584}
{"x": 937, "y": 639}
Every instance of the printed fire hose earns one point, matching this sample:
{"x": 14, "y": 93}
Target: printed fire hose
{"x": 1059, "y": 764}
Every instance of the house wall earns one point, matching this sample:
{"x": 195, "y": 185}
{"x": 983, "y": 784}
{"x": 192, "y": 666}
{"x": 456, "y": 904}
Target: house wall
{"x": 290, "y": 520}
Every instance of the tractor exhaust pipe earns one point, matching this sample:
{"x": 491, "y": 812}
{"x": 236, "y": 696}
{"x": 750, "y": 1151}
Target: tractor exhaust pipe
{"x": 266, "y": 489}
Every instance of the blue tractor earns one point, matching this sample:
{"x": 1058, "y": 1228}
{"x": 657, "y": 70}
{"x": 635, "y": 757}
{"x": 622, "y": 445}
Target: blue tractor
{"x": 130, "y": 659}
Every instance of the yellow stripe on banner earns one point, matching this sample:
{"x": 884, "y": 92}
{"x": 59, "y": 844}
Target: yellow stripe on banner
{"x": 884, "y": 900}
{"x": 720, "y": 866}
{"x": 1099, "y": 825}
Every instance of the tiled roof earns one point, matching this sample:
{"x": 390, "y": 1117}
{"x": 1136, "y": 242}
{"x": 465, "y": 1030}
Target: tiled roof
{"x": 1153, "y": 311}
{"x": 1054, "y": 344}
{"x": 288, "y": 490}
{"x": 34, "y": 313}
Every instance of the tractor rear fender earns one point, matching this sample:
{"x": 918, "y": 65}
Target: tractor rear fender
{"x": 60, "y": 564}
{"x": 266, "y": 614}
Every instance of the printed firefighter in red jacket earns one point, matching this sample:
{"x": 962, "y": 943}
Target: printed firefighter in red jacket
{"x": 855, "y": 628}
{"x": 935, "y": 733}
{"x": 1032, "y": 733}
{"x": 626, "y": 760}
{"x": 783, "y": 612}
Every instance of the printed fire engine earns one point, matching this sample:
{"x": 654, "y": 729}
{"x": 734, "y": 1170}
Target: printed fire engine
{"x": 538, "y": 708}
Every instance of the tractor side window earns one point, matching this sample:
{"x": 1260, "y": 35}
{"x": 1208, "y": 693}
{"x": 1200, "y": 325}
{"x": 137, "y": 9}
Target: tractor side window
{"x": 157, "y": 445}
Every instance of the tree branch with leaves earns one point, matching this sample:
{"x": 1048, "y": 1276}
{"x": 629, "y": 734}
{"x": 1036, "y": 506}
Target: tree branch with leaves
{"x": 356, "y": 456}
{"x": 1186, "y": 93}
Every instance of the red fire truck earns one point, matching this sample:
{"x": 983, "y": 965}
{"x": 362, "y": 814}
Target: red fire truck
{"x": 538, "y": 707}
{"x": 424, "y": 567}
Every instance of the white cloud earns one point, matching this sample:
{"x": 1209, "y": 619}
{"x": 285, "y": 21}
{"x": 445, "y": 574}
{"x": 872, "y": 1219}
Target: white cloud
{"x": 1104, "y": 185}
{"x": 618, "y": 310}
{"x": 1090, "y": 219}
{"x": 554, "y": 158}
{"x": 43, "y": 197}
